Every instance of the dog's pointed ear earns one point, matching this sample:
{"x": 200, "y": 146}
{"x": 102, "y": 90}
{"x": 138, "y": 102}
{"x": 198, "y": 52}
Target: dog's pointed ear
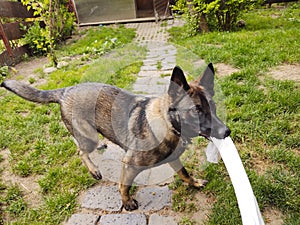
{"x": 178, "y": 81}
{"x": 207, "y": 79}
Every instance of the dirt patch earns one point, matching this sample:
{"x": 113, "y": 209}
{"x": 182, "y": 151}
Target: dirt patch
{"x": 27, "y": 70}
{"x": 202, "y": 202}
{"x": 286, "y": 72}
{"x": 29, "y": 185}
{"x": 223, "y": 70}
{"x": 273, "y": 216}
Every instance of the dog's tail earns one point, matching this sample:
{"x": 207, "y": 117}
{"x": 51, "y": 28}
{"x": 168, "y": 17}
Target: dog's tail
{"x": 32, "y": 94}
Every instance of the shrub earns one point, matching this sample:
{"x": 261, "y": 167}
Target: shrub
{"x": 205, "y": 15}
{"x": 53, "y": 24}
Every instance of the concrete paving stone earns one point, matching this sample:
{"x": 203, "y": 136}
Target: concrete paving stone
{"x": 123, "y": 219}
{"x": 167, "y": 67}
{"x": 110, "y": 164}
{"x": 106, "y": 198}
{"x": 171, "y": 58}
{"x": 62, "y": 64}
{"x": 149, "y": 62}
{"x": 172, "y": 50}
{"x": 154, "y": 198}
{"x": 141, "y": 88}
{"x": 154, "y": 56}
{"x": 160, "y": 175}
{"x": 169, "y": 64}
{"x": 146, "y": 89}
{"x": 159, "y": 47}
{"x": 151, "y": 81}
{"x": 158, "y": 81}
{"x": 149, "y": 68}
{"x": 144, "y": 73}
{"x": 156, "y": 219}
{"x": 83, "y": 219}
{"x": 143, "y": 81}
{"x": 157, "y": 90}
{"x": 49, "y": 69}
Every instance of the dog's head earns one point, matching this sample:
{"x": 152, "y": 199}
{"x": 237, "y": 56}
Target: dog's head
{"x": 192, "y": 110}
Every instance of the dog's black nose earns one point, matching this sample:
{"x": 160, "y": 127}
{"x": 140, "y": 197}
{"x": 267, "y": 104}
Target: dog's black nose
{"x": 227, "y": 132}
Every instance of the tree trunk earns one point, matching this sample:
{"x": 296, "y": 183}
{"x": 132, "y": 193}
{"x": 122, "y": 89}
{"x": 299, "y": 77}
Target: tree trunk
{"x": 201, "y": 17}
{"x": 203, "y": 26}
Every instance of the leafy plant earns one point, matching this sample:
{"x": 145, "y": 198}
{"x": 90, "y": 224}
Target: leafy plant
{"x": 38, "y": 39}
{"x": 3, "y": 71}
{"x": 53, "y": 24}
{"x": 205, "y": 15}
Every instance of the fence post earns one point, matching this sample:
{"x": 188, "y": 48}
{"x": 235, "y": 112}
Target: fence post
{"x": 5, "y": 41}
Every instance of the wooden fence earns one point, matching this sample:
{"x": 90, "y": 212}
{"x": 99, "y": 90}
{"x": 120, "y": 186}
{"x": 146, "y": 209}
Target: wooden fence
{"x": 13, "y": 31}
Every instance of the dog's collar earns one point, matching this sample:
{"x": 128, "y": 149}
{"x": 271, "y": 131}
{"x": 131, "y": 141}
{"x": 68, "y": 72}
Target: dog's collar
{"x": 175, "y": 121}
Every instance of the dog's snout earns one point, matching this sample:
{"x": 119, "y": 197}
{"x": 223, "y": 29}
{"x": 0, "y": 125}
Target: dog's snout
{"x": 219, "y": 129}
{"x": 221, "y": 132}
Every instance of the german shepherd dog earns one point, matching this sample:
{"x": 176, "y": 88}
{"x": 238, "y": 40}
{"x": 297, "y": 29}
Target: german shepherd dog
{"x": 151, "y": 130}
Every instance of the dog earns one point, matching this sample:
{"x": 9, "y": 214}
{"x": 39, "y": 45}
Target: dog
{"x": 151, "y": 130}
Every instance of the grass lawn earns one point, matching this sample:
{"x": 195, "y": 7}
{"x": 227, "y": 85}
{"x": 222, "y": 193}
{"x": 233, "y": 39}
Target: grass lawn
{"x": 40, "y": 146}
{"x": 263, "y": 113}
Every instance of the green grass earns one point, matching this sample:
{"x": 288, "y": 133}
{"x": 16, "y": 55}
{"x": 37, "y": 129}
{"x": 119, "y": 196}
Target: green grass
{"x": 262, "y": 113}
{"x": 98, "y": 41}
{"x": 39, "y": 143}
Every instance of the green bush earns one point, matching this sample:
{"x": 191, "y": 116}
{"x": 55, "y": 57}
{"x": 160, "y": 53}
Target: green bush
{"x": 53, "y": 24}
{"x": 37, "y": 39}
{"x": 205, "y": 15}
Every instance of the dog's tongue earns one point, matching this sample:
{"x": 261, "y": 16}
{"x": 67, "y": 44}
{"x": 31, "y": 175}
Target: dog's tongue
{"x": 246, "y": 200}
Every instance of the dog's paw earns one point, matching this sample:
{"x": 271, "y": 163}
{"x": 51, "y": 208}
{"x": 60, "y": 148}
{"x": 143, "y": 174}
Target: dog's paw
{"x": 131, "y": 204}
{"x": 96, "y": 174}
{"x": 198, "y": 183}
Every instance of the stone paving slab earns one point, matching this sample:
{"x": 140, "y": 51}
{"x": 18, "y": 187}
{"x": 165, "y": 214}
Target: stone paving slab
{"x": 110, "y": 164}
{"x": 123, "y": 219}
{"x": 146, "y": 73}
{"x": 154, "y": 198}
{"x": 83, "y": 219}
{"x": 106, "y": 198}
{"x": 156, "y": 219}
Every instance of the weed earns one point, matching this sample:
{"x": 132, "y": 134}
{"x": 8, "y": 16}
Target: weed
{"x": 187, "y": 221}
{"x": 163, "y": 75}
{"x": 31, "y": 80}
{"x": 159, "y": 65}
{"x": 15, "y": 204}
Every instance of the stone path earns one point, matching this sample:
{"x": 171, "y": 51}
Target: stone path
{"x": 102, "y": 203}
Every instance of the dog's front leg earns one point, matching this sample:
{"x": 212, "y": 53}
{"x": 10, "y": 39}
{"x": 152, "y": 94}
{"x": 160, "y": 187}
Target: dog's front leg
{"x": 128, "y": 174}
{"x": 183, "y": 174}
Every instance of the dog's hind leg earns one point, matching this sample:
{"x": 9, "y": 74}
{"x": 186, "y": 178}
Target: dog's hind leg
{"x": 183, "y": 174}
{"x": 93, "y": 169}
{"x": 87, "y": 139}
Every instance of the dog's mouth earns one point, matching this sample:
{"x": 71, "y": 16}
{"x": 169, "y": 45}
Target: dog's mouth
{"x": 206, "y": 136}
